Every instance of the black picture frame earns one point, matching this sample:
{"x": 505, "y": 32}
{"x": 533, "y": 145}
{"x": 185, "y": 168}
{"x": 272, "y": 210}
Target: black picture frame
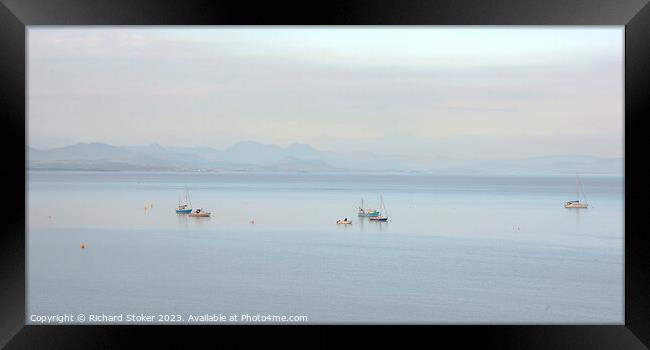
{"x": 15, "y": 15}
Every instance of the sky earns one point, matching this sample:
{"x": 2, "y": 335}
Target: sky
{"x": 474, "y": 93}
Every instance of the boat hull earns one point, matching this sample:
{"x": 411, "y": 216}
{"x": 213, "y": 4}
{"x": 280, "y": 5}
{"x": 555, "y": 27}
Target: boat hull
{"x": 576, "y": 206}
{"x": 378, "y": 219}
{"x": 184, "y": 211}
{"x": 200, "y": 215}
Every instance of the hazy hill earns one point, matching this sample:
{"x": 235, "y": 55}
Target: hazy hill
{"x": 250, "y": 152}
{"x": 79, "y": 151}
{"x": 254, "y": 156}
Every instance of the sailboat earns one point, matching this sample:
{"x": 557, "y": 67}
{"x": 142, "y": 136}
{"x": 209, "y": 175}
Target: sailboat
{"x": 576, "y": 203}
{"x": 185, "y": 207}
{"x": 382, "y": 207}
{"x": 366, "y": 212}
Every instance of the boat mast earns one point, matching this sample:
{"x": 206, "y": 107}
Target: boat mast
{"x": 187, "y": 197}
{"x": 386, "y": 210}
{"x": 581, "y": 190}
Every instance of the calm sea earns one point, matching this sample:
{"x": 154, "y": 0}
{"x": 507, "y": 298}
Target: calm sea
{"x": 457, "y": 249}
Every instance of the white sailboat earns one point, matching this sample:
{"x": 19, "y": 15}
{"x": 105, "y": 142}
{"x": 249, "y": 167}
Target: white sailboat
{"x": 185, "y": 207}
{"x": 576, "y": 203}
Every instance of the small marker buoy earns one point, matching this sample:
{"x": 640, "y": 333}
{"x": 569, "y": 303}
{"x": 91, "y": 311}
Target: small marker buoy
{"x": 83, "y": 246}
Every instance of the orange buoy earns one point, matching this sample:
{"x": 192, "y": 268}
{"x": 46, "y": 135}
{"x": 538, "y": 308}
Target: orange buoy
{"x": 83, "y": 246}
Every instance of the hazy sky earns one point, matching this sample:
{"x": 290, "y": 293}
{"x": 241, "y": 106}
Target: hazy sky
{"x": 464, "y": 92}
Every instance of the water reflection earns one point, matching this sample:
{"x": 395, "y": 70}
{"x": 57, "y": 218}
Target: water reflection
{"x": 182, "y": 220}
{"x": 577, "y": 217}
{"x": 198, "y": 221}
{"x": 379, "y": 226}
{"x": 345, "y": 227}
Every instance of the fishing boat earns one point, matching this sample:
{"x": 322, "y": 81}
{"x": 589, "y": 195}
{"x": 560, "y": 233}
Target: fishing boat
{"x": 382, "y": 207}
{"x": 185, "y": 207}
{"x": 198, "y": 212}
{"x": 576, "y": 203}
{"x": 345, "y": 221}
{"x": 366, "y": 212}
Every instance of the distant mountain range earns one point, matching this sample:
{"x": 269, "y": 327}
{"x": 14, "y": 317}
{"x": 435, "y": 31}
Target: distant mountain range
{"x": 254, "y": 156}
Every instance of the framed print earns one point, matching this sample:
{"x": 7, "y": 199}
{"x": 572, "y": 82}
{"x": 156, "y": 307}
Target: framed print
{"x": 458, "y": 168}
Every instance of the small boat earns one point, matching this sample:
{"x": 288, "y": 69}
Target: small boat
{"x": 198, "y": 212}
{"x": 363, "y": 213}
{"x": 186, "y": 207}
{"x": 576, "y": 203}
{"x": 345, "y": 221}
{"x": 382, "y": 207}
{"x": 183, "y": 209}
